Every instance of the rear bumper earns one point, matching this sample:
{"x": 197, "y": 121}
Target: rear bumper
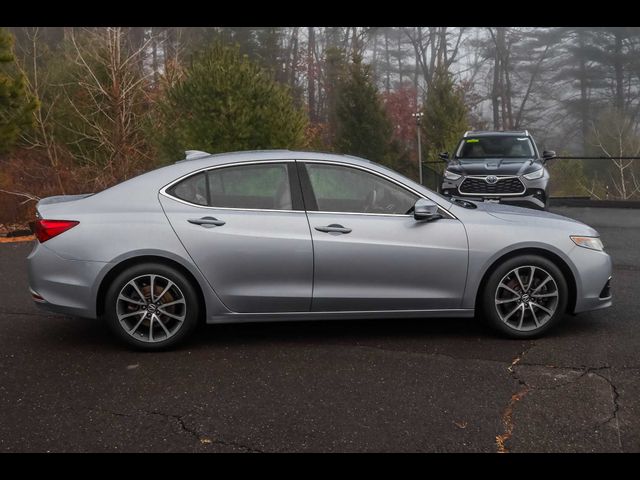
{"x": 63, "y": 286}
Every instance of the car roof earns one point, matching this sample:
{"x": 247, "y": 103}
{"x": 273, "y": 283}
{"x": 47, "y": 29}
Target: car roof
{"x": 500, "y": 133}
{"x": 197, "y": 159}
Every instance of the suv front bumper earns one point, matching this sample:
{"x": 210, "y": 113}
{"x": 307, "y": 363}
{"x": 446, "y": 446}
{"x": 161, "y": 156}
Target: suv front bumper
{"x": 535, "y": 196}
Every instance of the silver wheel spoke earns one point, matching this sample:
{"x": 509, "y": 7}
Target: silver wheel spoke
{"x": 509, "y": 289}
{"x": 542, "y": 284}
{"x": 171, "y": 315}
{"x": 130, "y": 300}
{"x": 533, "y": 271}
{"x": 151, "y": 287}
{"x": 166, "y": 289}
{"x": 544, "y": 309}
{"x": 137, "y": 289}
{"x": 521, "y": 316}
{"x": 151, "y": 327}
{"x": 535, "y": 317}
{"x": 545, "y": 295}
{"x": 511, "y": 313}
{"x": 519, "y": 280}
{"x": 175, "y": 302}
{"x": 508, "y": 300}
{"x": 161, "y": 323}
{"x": 133, "y": 330}
{"x": 131, "y": 314}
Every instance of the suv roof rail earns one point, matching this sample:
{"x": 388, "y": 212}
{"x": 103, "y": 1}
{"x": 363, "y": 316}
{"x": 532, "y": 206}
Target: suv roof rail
{"x": 470, "y": 132}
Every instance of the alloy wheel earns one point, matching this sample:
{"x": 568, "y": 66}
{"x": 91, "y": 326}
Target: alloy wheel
{"x": 151, "y": 308}
{"x": 526, "y": 298}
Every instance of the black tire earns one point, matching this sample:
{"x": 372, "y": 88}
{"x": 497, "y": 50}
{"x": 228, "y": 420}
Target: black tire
{"x": 489, "y": 309}
{"x": 182, "y": 329}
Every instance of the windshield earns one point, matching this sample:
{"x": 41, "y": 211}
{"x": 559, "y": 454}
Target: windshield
{"x": 492, "y": 147}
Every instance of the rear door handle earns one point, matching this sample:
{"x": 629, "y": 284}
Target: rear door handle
{"x": 334, "y": 228}
{"x": 207, "y": 222}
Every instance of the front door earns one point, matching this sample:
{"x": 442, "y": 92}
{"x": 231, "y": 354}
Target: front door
{"x": 370, "y": 254}
{"x": 246, "y": 230}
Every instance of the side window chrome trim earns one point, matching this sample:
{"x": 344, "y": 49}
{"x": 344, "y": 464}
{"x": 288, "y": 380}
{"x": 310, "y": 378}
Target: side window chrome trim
{"x": 163, "y": 190}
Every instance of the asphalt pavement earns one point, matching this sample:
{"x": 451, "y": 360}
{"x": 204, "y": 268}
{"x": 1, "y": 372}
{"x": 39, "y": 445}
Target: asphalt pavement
{"x": 446, "y": 385}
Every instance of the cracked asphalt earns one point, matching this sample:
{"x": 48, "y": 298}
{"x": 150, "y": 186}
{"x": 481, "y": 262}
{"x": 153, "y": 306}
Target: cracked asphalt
{"x": 66, "y": 385}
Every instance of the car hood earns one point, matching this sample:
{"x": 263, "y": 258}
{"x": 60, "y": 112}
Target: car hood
{"x": 494, "y": 166}
{"x": 531, "y": 217}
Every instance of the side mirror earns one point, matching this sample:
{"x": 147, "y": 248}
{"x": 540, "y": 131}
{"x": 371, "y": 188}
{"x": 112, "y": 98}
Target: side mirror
{"x": 548, "y": 155}
{"x": 444, "y": 156}
{"x": 425, "y": 210}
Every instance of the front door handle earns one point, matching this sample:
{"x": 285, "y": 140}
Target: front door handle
{"x": 334, "y": 228}
{"x": 207, "y": 222}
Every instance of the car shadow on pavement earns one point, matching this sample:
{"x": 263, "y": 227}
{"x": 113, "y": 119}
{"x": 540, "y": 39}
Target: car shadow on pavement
{"x": 92, "y": 334}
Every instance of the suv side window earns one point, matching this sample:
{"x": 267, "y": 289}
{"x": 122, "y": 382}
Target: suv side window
{"x": 259, "y": 186}
{"x": 351, "y": 190}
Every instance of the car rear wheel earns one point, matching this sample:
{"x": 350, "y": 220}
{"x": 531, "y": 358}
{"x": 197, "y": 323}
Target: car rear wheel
{"x": 525, "y": 296}
{"x": 151, "y": 306}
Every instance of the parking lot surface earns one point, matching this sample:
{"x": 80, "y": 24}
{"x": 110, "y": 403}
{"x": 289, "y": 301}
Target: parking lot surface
{"x": 445, "y": 385}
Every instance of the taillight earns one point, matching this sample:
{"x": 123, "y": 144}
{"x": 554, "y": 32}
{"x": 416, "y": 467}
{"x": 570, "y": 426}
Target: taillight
{"x": 47, "y": 229}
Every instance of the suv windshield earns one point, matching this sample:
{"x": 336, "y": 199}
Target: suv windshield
{"x": 492, "y": 147}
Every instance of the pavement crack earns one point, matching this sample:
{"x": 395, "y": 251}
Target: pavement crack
{"x": 507, "y": 414}
{"x": 615, "y": 398}
{"x": 202, "y": 439}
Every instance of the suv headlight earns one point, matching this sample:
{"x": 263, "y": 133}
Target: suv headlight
{"x": 450, "y": 175}
{"x": 592, "y": 243}
{"x": 534, "y": 175}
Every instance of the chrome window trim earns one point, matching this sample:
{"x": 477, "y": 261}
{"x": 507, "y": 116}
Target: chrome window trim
{"x": 499, "y": 177}
{"x": 163, "y": 190}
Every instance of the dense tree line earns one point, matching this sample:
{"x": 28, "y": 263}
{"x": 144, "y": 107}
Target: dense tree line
{"x": 83, "y": 108}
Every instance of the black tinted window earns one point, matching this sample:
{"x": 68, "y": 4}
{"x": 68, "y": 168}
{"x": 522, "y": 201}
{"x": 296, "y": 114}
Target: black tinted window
{"x": 263, "y": 186}
{"x": 344, "y": 189}
{"x": 192, "y": 189}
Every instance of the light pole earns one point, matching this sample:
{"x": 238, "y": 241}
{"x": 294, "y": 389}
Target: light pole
{"x": 418, "y": 117}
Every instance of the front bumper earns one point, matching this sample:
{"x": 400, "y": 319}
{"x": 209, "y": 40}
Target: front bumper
{"x": 63, "y": 286}
{"x": 593, "y": 279}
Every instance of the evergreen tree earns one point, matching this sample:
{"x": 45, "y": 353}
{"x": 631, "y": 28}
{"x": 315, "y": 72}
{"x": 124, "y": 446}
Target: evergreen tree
{"x": 363, "y": 127}
{"x": 16, "y": 105}
{"x": 226, "y": 102}
{"x": 444, "y": 118}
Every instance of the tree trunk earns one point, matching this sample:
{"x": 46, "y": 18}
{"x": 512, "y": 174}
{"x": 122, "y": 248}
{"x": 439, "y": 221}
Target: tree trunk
{"x": 584, "y": 99}
{"x": 619, "y": 72}
{"x": 387, "y": 83}
{"x": 311, "y": 82}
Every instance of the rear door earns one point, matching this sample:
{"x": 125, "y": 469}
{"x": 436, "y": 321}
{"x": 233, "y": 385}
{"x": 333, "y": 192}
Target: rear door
{"x": 245, "y": 228}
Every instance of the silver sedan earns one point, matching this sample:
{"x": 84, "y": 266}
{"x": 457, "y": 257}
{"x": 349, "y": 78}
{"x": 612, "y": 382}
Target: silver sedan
{"x": 283, "y": 235}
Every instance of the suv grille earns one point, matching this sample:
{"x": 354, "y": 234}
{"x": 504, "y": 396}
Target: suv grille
{"x": 504, "y": 185}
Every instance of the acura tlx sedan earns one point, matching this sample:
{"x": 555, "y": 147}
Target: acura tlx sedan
{"x": 283, "y": 235}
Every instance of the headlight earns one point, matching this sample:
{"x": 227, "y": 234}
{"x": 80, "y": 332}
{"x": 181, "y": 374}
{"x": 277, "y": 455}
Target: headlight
{"x": 534, "y": 175}
{"x": 450, "y": 175}
{"x": 593, "y": 243}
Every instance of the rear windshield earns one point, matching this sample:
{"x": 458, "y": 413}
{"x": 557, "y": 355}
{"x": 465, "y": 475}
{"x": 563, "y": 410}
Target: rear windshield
{"x": 495, "y": 147}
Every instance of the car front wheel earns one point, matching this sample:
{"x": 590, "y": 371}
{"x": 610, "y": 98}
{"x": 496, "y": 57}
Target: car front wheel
{"x": 151, "y": 306}
{"x": 525, "y": 296}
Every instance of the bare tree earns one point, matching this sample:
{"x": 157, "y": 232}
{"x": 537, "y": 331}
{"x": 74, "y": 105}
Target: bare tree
{"x": 109, "y": 102}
